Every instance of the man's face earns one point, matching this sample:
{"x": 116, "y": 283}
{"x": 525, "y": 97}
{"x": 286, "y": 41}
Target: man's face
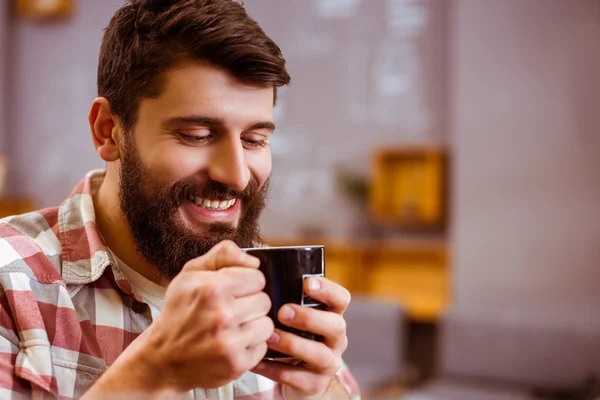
{"x": 195, "y": 169}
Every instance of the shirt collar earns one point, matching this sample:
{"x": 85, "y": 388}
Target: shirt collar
{"x": 85, "y": 255}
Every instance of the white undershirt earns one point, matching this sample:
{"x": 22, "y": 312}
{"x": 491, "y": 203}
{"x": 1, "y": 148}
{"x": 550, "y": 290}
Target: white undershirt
{"x": 153, "y": 294}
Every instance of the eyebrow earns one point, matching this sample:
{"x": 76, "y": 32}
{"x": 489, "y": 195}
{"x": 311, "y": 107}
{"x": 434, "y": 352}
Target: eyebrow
{"x": 211, "y": 122}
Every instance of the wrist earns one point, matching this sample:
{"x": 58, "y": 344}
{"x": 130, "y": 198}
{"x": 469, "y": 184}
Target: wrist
{"x": 137, "y": 373}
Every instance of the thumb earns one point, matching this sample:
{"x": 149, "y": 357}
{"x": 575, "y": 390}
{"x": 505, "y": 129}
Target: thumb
{"x": 225, "y": 254}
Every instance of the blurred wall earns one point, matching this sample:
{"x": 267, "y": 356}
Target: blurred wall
{"x": 524, "y": 97}
{"x": 364, "y": 74}
{"x": 3, "y": 72}
{"x": 53, "y": 82}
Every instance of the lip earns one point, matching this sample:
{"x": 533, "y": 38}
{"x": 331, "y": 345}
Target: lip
{"x": 205, "y": 215}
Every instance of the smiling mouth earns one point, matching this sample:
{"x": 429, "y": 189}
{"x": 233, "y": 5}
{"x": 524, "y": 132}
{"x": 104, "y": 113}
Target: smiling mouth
{"x": 212, "y": 205}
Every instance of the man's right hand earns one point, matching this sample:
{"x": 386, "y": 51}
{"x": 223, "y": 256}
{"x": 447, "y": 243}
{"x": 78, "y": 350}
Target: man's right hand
{"x": 213, "y": 328}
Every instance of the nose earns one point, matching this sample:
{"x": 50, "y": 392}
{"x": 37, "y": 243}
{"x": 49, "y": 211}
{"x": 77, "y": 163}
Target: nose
{"x": 228, "y": 164}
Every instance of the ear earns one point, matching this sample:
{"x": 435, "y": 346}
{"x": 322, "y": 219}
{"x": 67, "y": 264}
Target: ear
{"x": 105, "y": 131}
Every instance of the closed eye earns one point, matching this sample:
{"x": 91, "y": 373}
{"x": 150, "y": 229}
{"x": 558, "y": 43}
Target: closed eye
{"x": 194, "y": 139}
{"x": 253, "y": 143}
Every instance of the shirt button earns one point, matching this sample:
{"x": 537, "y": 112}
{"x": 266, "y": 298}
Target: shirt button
{"x": 138, "y": 307}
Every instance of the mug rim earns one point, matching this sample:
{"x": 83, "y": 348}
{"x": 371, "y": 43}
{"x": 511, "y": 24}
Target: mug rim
{"x": 308, "y": 247}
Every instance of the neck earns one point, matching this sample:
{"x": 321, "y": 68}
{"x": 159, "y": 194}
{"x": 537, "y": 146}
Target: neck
{"x": 115, "y": 231}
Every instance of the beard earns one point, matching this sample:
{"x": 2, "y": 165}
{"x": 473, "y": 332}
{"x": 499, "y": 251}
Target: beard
{"x": 160, "y": 234}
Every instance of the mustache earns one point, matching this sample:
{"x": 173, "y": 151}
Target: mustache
{"x": 182, "y": 190}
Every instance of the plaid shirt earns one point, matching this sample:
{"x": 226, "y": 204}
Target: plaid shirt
{"x": 67, "y": 311}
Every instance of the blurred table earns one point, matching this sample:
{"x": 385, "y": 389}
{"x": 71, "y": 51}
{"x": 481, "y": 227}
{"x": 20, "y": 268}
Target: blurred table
{"x": 412, "y": 272}
{"x": 15, "y": 205}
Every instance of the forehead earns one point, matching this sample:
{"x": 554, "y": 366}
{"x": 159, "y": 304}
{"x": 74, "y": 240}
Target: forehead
{"x": 200, "y": 89}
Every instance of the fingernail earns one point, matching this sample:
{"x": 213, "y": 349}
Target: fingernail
{"x": 287, "y": 312}
{"x": 314, "y": 285}
{"x": 274, "y": 338}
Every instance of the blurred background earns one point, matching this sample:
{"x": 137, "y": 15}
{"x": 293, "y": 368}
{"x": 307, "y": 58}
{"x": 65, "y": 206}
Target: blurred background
{"x": 445, "y": 151}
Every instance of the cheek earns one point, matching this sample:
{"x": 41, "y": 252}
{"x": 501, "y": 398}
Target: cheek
{"x": 260, "y": 166}
{"x": 172, "y": 163}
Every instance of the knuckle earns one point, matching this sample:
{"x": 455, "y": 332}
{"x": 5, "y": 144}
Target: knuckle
{"x": 227, "y": 244}
{"x": 238, "y": 363}
{"x": 253, "y": 278}
{"x": 341, "y": 326}
{"x": 227, "y": 254}
{"x": 344, "y": 343}
{"x": 221, "y": 253}
{"x": 228, "y": 248}
{"x": 269, "y": 324}
{"x": 223, "y": 346}
{"x": 223, "y": 318}
{"x": 266, "y": 302}
{"x": 212, "y": 290}
{"x": 265, "y": 326}
{"x": 347, "y": 297}
{"x": 194, "y": 288}
{"x": 325, "y": 355}
{"x": 193, "y": 263}
{"x": 261, "y": 280}
{"x": 261, "y": 350}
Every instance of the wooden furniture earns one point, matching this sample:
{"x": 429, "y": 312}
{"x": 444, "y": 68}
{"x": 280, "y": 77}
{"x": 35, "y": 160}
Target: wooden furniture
{"x": 409, "y": 187}
{"x": 412, "y": 272}
{"x": 14, "y": 206}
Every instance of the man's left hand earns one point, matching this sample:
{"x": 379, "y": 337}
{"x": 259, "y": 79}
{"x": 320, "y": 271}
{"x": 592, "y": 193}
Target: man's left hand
{"x": 314, "y": 377}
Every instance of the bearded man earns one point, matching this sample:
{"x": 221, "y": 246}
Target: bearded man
{"x": 136, "y": 285}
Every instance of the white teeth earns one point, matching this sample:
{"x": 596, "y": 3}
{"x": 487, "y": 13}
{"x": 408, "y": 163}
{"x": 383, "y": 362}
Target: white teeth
{"x": 214, "y": 204}
{"x": 191, "y": 198}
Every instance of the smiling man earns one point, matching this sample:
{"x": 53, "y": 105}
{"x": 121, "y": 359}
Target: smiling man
{"x": 135, "y": 286}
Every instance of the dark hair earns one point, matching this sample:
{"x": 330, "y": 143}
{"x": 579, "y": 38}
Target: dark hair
{"x": 147, "y": 37}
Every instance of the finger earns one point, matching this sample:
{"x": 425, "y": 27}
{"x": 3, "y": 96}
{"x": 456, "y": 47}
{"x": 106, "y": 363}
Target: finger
{"x": 257, "y": 331}
{"x": 296, "y": 377}
{"x": 316, "y": 355}
{"x": 335, "y": 296}
{"x": 224, "y": 254}
{"x": 328, "y": 324}
{"x": 251, "y": 307}
{"x": 242, "y": 282}
{"x": 256, "y": 354}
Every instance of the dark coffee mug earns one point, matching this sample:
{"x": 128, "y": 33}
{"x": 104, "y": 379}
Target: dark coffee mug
{"x": 285, "y": 269}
